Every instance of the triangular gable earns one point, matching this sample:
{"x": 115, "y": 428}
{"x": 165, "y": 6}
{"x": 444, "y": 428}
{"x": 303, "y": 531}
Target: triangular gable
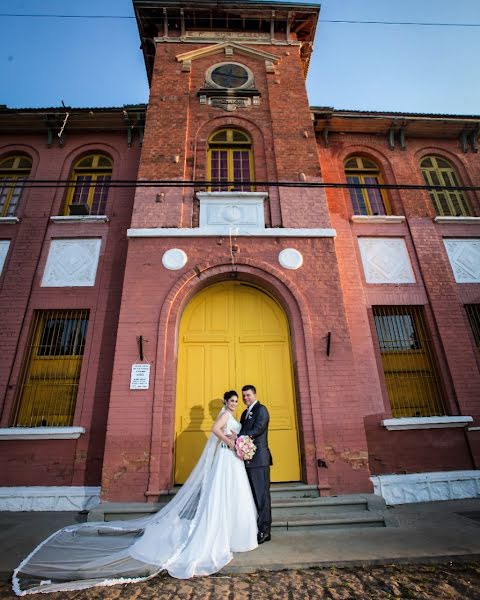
{"x": 229, "y": 49}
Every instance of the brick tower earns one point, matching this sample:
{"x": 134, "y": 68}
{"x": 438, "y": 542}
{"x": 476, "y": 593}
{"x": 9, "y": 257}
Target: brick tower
{"x": 228, "y": 111}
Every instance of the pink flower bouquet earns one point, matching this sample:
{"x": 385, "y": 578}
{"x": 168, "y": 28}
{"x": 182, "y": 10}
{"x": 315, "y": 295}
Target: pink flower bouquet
{"x": 245, "y": 448}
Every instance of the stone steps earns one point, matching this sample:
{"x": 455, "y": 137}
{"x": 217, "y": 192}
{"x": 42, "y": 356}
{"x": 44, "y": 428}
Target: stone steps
{"x": 331, "y": 521}
{"x": 295, "y": 507}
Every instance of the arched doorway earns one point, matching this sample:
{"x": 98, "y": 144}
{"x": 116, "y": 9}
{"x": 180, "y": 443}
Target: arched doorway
{"x": 232, "y": 334}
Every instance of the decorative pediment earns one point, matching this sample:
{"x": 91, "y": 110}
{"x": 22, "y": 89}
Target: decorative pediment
{"x": 229, "y": 49}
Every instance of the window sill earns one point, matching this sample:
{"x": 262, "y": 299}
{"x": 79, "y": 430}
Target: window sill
{"x": 425, "y": 422}
{"x": 458, "y": 220}
{"x": 377, "y": 219}
{"x": 81, "y": 219}
{"x": 9, "y": 220}
{"x": 42, "y": 433}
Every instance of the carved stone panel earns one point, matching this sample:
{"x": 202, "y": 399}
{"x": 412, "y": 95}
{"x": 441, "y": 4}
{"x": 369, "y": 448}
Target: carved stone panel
{"x": 221, "y": 210}
{"x": 464, "y": 257}
{"x": 386, "y": 260}
{"x": 4, "y": 246}
{"x": 72, "y": 262}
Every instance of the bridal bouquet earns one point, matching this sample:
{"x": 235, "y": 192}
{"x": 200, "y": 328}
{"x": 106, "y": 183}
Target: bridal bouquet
{"x": 245, "y": 448}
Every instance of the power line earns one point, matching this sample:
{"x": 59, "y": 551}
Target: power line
{"x": 334, "y": 21}
{"x": 136, "y": 183}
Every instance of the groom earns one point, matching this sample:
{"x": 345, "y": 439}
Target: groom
{"x": 254, "y": 423}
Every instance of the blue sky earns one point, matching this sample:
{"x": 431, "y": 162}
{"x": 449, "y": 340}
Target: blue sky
{"x": 97, "y": 62}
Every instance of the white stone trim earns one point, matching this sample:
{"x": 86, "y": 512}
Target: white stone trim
{"x": 229, "y": 196}
{"x": 425, "y": 422}
{"x": 290, "y": 258}
{"x": 39, "y": 498}
{"x": 385, "y": 260}
{"x": 9, "y": 220}
{"x": 72, "y": 262}
{"x": 231, "y": 210}
{"x": 458, "y": 220}
{"x": 226, "y": 231}
{"x": 464, "y": 257}
{"x": 4, "y": 248}
{"x": 427, "y": 487}
{"x": 223, "y": 47}
{"x": 41, "y": 433}
{"x": 174, "y": 259}
{"x": 377, "y": 219}
{"x": 80, "y": 219}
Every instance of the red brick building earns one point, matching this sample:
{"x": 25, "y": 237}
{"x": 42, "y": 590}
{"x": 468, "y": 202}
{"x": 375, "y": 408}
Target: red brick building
{"x": 353, "y": 308}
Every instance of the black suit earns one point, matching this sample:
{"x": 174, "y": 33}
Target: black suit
{"x": 258, "y": 469}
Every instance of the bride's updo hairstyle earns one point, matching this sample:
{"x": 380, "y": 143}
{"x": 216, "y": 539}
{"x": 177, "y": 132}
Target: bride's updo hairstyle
{"x": 228, "y": 395}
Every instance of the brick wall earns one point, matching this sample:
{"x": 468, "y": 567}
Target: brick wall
{"x": 69, "y": 462}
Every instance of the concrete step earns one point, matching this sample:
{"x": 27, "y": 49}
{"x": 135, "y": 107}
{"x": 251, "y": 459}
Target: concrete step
{"x": 293, "y": 490}
{"x": 326, "y": 505}
{"x": 332, "y": 521}
{"x": 277, "y": 490}
{"x": 359, "y": 510}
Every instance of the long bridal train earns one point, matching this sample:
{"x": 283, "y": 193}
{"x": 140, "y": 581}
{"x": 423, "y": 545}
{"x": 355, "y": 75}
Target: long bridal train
{"x": 212, "y": 516}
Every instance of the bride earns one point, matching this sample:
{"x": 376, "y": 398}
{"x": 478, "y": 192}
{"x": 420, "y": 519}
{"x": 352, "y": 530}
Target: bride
{"x": 212, "y": 516}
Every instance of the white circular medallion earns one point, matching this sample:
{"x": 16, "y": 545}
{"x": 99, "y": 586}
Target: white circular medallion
{"x": 174, "y": 259}
{"x": 290, "y": 258}
{"x": 231, "y": 214}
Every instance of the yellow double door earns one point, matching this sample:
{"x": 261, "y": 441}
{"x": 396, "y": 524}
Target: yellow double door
{"x": 232, "y": 334}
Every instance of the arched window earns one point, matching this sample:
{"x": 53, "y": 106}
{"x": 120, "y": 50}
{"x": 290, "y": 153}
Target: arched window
{"x": 230, "y": 160}
{"x": 92, "y": 175}
{"x": 447, "y": 203}
{"x": 13, "y": 172}
{"x": 366, "y": 201}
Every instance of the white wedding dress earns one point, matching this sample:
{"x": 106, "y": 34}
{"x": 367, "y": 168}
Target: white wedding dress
{"x": 212, "y": 516}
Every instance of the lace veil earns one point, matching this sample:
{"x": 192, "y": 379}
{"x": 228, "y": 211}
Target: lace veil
{"x": 107, "y": 553}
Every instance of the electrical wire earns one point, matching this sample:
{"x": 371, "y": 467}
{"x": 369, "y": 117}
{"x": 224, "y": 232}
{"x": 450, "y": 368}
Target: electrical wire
{"x": 138, "y": 183}
{"x": 334, "y": 21}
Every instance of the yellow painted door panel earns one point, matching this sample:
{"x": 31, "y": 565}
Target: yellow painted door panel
{"x": 232, "y": 334}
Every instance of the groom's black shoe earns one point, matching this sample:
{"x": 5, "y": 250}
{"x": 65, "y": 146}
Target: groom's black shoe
{"x": 263, "y": 537}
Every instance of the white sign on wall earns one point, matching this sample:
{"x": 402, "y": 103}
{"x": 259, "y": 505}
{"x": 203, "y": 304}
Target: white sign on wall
{"x": 140, "y": 377}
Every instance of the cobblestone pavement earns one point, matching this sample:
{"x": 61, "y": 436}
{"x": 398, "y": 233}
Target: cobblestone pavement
{"x": 452, "y": 581}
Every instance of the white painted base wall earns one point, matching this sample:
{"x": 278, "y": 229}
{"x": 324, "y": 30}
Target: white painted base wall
{"x": 427, "y": 487}
{"x": 49, "y": 498}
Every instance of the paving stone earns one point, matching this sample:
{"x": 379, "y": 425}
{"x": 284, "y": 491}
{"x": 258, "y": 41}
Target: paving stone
{"x": 447, "y": 581}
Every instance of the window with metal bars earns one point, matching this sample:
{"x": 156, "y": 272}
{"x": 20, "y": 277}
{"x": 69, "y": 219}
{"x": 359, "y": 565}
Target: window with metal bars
{"x": 366, "y": 201}
{"x": 473, "y": 313}
{"x": 447, "y": 203}
{"x": 409, "y": 365}
{"x": 47, "y": 392}
{"x": 13, "y": 172}
{"x": 230, "y": 161}
{"x": 91, "y": 176}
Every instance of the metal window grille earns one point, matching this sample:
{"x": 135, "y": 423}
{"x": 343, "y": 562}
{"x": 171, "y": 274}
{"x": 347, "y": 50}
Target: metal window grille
{"x": 409, "y": 365}
{"x": 48, "y": 385}
{"x": 473, "y": 313}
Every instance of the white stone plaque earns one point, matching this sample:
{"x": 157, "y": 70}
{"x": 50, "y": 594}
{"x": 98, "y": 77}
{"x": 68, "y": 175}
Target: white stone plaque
{"x": 222, "y": 210}
{"x": 140, "y": 376}
{"x": 72, "y": 262}
{"x": 4, "y": 246}
{"x": 290, "y": 258}
{"x": 464, "y": 257}
{"x": 386, "y": 260}
{"x": 174, "y": 259}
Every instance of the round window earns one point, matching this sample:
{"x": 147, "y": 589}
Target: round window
{"x": 230, "y": 75}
